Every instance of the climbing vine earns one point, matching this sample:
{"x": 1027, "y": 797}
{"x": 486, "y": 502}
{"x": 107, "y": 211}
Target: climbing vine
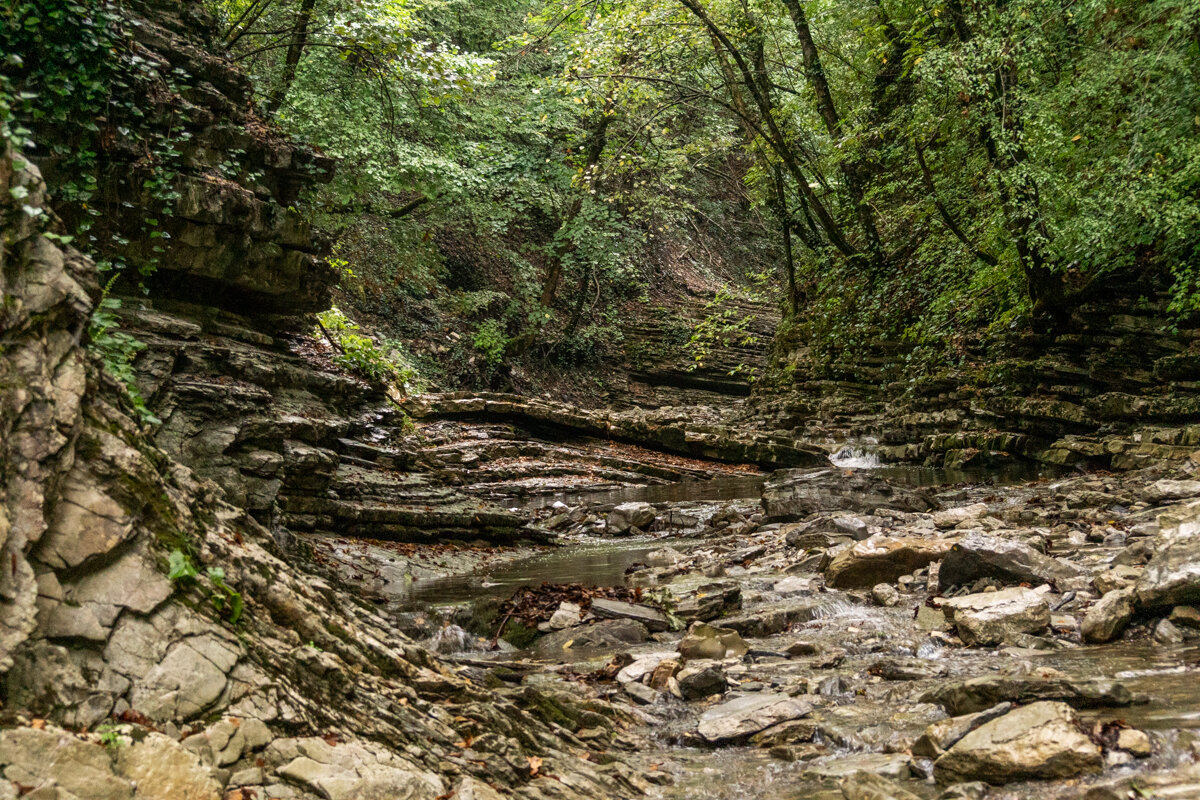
{"x": 108, "y": 133}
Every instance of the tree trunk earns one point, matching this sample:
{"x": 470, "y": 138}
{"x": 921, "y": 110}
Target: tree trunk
{"x": 294, "y": 51}
{"x": 772, "y": 134}
{"x": 1021, "y": 203}
{"x": 562, "y": 247}
{"x": 852, "y": 169}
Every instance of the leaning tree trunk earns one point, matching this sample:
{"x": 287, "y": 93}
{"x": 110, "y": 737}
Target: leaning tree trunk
{"x": 294, "y": 51}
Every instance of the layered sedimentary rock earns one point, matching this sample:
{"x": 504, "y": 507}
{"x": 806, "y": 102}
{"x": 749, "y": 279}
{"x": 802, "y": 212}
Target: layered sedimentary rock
{"x": 233, "y": 282}
{"x": 134, "y": 591}
{"x": 1118, "y": 387}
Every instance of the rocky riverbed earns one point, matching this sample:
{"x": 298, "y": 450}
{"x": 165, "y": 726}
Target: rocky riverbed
{"x": 836, "y": 633}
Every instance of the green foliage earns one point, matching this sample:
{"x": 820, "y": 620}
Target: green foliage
{"x": 361, "y": 355}
{"x": 724, "y": 324}
{"x": 226, "y": 600}
{"x": 491, "y": 340}
{"x": 117, "y": 351}
{"x": 79, "y": 78}
{"x": 110, "y": 735}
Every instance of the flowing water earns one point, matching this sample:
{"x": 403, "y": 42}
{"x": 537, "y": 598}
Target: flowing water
{"x": 866, "y": 720}
{"x": 592, "y": 563}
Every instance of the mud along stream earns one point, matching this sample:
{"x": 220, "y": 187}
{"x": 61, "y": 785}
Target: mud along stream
{"x": 834, "y": 632}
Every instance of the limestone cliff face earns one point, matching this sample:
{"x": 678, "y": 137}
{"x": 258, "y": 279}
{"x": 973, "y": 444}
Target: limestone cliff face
{"x": 302, "y": 694}
{"x": 231, "y": 235}
{"x": 244, "y": 399}
{"x": 307, "y": 691}
{"x": 44, "y": 376}
{"x": 1118, "y": 388}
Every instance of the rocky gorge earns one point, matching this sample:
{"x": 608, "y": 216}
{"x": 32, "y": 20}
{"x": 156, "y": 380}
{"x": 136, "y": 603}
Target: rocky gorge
{"x": 294, "y": 583}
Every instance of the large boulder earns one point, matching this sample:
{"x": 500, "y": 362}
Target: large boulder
{"x": 1173, "y": 575}
{"x": 1038, "y": 741}
{"x": 1107, "y": 619}
{"x": 977, "y": 555}
{"x": 742, "y": 717}
{"x": 883, "y": 559}
{"x": 792, "y": 494}
{"x": 944, "y": 734}
{"x": 993, "y": 617}
{"x": 628, "y": 516}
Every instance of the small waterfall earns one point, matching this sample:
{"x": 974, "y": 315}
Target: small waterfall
{"x": 856, "y": 456}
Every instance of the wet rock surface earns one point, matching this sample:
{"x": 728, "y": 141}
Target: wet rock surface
{"x": 335, "y": 625}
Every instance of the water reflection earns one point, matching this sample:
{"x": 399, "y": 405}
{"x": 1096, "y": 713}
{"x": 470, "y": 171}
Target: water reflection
{"x": 748, "y": 487}
{"x": 589, "y": 564}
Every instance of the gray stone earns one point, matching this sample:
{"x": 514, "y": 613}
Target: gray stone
{"x": 931, "y": 619}
{"x": 640, "y": 692}
{"x": 652, "y": 618}
{"x": 1173, "y": 575}
{"x": 745, "y": 716}
{"x": 886, "y": 765}
{"x": 358, "y": 771}
{"x": 1108, "y": 618}
{"x": 567, "y": 615}
{"x": 87, "y": 523}
{"x": 883, "y": 559}
{"x": 1135, "y": 742}
{"x": 992, "y": 617}
{"x": 1118, "y": 577}
{"x": 471, "y": 789}
{"x": 132, "y": 581}
{"x": 944, "y": 734}
{"x": 640, "y": 669}
{"x": 885, "y": 594}
{"x": 163, "y": 770}
{"x": 1166, "y": 633}
{"x": 899, "y": 668}
{"x": 977, "y": 555}
{"x": 1038, "y": 741}
{"x": 627, "y": 516}
{"x": 978, "y": 694}
{"x": 701, "y": 679}
{"x": 189, "y": 679}
{"x": 32, "y": 757}
{"x": 951, "y": 517}
{"x": 611, "y": 634}
{"x": 664, "y": 557}
{"x": 854, "y": 527}
{"x": 710, "y": 601}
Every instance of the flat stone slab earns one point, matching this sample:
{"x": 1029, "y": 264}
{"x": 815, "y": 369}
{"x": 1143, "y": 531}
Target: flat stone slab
{"x": 745, "y": 716}
{"x": 1040, "y": 741}
{"x": 653, "y": 619}
{"x": 887, "y": 765}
